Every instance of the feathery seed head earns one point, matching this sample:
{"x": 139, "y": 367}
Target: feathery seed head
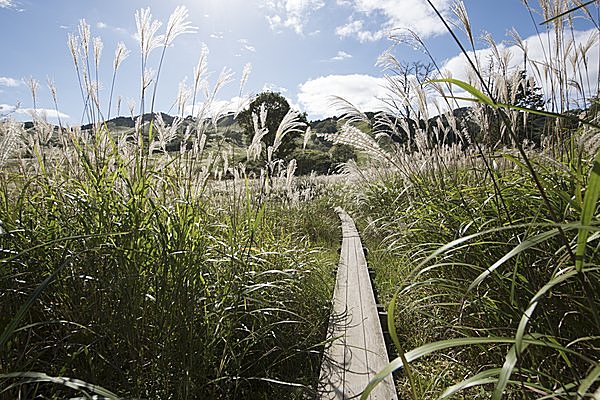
{"x": 52, "y": 88}
{"x": 178, "y": 24}
{"x": 121, "y": 53}
{"x": 289, "y": 124}
{"x": 131, "y": 106}
{"x": 84, "y": 35}
{"x": 33, "y": 85}
{"x": 119, "y": 100}
{"x": 98, "y": 46}
{"x": 74, "y": 47}
{"x": 201, "y": 67}
{"x": 255, "y": 148}
{"x": 460, "y": 11}
{"x": 307, "y": 136}
{"x": 147, "y": 78}
{"x": 146, "y": 32}
{"x": 184, "y": 93}
{"x": 245, "y": 74}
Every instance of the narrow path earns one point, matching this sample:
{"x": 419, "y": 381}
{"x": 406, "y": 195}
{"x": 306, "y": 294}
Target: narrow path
{"x": 357, "y": 351}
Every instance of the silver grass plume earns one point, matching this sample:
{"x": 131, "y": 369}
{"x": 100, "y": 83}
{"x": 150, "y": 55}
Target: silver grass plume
{"x": 307, "y": 136}
{"x": 289, "y": 177}
{"x": 177, "y": 25}
{"x": 147, "y": 27}
{"x": 350, "y": 111}
{"x": 10, "y": 130}
{"x": 52, "y": 88}
{"x": 184, "y": 94}
{"x": 121, "y": 53}
{"x": 290, "y": 123}
{"x": 356, "y": 138}
{"x": 165, "y": 134}
{"x": 33, "y": 85}
{"x": 258, "y": 121}
{"x": 98, "y": 47}
{"x": 199, "y": 76}
{"x": 245, "y": 74}
{"x": 460, "y": 11}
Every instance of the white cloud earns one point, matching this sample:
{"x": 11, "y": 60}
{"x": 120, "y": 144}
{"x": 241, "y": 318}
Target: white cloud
{"x": 350, "y": 29}
{"x": 116, "y": 29}
{"x": 7, "y": 4}
{"x": 316, "y": 96}
{"x": 9, "y": 82}
{"x": 537, "y": 50}
{"x": 340, "y": 56}
{"x": 415, "y": 15}
{"x": 42, "y": 112}
{"x": 246, "y": 45}
{"x": 6, "y": 109}
{"x": 217, "y": 35}
{"x": 271, "y": 87}
{"x": 29, "y": 112}
{"x": 292, "y": 14}
{"x": 274, "y": 21}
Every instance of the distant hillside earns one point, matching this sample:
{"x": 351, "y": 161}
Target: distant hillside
{"x": 129, "y": 122}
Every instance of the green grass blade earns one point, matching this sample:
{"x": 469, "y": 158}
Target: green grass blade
{"x": 396, "y": 340}
{"x": 482, "y": 378}
{"x": 509, "y": 364}
{"x": 12, "y": 325}
{"x": 425, "y": 350}
{"x": 524, "y": 245}
{"x": 482, "y": 98}
{"x": 555, "y": 281}
{"x": 457, "y": 242}
{"x": 588, "y": 381}
{"x": 75, "y": 384}
{"x": 469, "y": 88}
{"x": 589, "y": 208}
{"x": 429, "y": 348}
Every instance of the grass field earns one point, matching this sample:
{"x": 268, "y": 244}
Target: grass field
{"x": 129, "y": 270}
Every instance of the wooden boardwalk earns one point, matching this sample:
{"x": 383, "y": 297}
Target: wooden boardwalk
{"x": 357, "y": 351}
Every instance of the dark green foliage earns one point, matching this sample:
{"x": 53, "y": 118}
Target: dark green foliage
{"x": 528, "y": 94}
{"x": 312, "y": 160}
{"x": 277, "y": 107}
{"x": 327, "y": 125}
{"x": 341, "y": 153}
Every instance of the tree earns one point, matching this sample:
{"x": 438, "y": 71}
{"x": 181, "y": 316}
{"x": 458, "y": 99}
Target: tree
{"x": 276, "y": 107}
{"x": 406, "y": 85}
{"x": 527, "y": 94}
{"x": 522, "y": 91}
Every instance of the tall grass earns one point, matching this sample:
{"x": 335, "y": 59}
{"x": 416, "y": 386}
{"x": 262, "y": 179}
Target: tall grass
{"x": 127, "y": 271}
{"x": 484, "y": 239}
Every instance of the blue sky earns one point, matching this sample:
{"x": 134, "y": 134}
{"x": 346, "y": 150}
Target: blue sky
{"x": 306, "y": 49}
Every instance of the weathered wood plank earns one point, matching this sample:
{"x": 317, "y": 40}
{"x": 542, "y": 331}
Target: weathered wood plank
{"x": 357, "y": 351}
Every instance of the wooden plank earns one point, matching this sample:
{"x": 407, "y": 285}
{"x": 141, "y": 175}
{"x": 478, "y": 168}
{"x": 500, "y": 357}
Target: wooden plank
{"x": 357, "y": 350}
